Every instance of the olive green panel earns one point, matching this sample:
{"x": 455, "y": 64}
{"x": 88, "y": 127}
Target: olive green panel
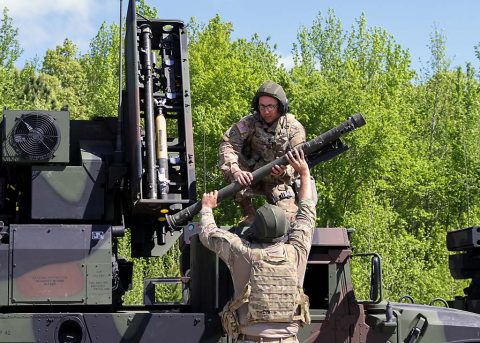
{"x": 99, "y": 242}
{"x": 3, "y": 292}
{"x": 118, "y": 327}
{"x": 99, "y": 283}
{"x": 60, "y": 264}
{"x": 3, "y": 274}
{"x": 432, "y": 324}
{"x": 16, "y": 328}
{"x": 70, "y": 182}
{"x": 43, "y": 327}
{"x": 72, "y": 192}
{"x": 48, "y": 264}
{"x": 433, "y": 330}
{"x": 99, "y": 265}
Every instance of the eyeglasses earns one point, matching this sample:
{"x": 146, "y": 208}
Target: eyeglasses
{"x": 267, "y": 107}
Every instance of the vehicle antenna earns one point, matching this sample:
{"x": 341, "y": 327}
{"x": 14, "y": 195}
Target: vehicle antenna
{"x": 118, "y": 143}
{"x": 204, "y": 161}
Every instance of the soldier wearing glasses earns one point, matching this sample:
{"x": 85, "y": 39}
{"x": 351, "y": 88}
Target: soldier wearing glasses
{"x": 257, "y": 139}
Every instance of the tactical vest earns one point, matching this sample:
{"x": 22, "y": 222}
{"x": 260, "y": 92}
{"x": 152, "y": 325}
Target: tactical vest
{"x": 272, "y": 293}
{"x": 266, "y": 146}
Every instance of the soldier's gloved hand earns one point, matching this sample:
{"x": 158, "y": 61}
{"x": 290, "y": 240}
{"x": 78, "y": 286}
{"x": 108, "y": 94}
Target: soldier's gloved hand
{"x": 244, "y": 178}
{"x": 209, "y": 200}
{"x": 279, "y": 170}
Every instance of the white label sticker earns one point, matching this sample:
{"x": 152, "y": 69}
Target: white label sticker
{"x": 97, "y": 235}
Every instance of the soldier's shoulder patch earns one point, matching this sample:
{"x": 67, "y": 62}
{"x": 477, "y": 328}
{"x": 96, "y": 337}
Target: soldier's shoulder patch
{"x": 232, "y": 132}
{"x": 243, "y": 126}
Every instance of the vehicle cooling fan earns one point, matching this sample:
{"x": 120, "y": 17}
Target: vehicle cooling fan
{"x": 35, "y": 136}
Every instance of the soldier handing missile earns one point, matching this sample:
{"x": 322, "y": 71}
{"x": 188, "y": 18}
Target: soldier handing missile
{"x": 313, "y": 146}
{"x": 257, "y": 139}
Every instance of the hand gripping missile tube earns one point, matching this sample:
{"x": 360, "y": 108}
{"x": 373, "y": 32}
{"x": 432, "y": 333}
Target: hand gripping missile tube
{"x": 182, "y": 217}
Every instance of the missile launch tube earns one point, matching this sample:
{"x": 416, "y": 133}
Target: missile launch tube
{"x": 147, "y": 70}
{"x": 309, "y": 147}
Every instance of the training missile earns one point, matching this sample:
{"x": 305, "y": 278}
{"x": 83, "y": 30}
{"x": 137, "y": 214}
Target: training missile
{"x": 312, "y": 146}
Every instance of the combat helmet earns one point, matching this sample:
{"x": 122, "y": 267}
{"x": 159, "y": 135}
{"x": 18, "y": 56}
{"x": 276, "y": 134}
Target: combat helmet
{"x": 274, "y": 90}
{"x": 270, "y": 224}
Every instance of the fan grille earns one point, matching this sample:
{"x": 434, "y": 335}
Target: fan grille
{"x": 36, "y": 136}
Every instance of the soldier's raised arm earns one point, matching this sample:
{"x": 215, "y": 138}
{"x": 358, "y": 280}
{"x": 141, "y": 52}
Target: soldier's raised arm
{"x": 296, "y": 158}
{"x": 302, "y": 228}
{"x": 214, "y": 238}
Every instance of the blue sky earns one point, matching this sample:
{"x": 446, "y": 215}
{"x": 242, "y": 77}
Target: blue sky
{"x": 44, "y": 24}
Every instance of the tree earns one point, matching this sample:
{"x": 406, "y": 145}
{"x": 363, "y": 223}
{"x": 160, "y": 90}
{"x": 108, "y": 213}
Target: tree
{"x": 10, "y": 49}
{"x": 63, "y": 63}
{"x": 145, "y": 10}
{"x": 101, "y": 71}
{"x": 392, "y": 186}
{"x": 9, "y": 52}
{"x": 39, "y": 91}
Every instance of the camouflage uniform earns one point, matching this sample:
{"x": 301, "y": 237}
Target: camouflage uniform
{"x": 250, "y": 144}
{"x": 238, "y": 254}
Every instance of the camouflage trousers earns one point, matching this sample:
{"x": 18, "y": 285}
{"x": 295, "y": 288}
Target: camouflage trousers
{"x": 281, "y": 195}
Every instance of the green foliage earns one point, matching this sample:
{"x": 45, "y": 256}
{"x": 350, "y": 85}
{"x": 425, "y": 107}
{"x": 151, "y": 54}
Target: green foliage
{"x": 9, "y": 52}
{"x": 63, "y": 64}
{"x": 145, "y": 10}
{"x": 165, "y": 266}
{"x": 101, "y": 69}
{"x": 39, "y": 91}
{"x": 10, "y": 49}
{"x": 409, "y": 176}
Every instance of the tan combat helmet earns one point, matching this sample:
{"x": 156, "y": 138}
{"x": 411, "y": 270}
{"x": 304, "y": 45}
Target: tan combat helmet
{"x": 274, "y": 90}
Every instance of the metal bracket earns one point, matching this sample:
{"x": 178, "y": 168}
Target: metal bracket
{"x": 416, "y": 331}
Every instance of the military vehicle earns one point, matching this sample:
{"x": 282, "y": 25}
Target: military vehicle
{"x": 69, "y": 188}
